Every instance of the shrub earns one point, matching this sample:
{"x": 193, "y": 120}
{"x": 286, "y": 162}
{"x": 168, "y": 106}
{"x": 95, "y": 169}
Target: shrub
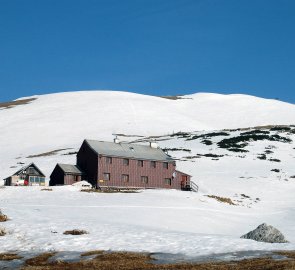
{"x": 221, "y": 199}
{"x": 238, "y": 150}
{"x": 275, "y": 170}
{"x": 208, "y": 135}
{"x": 256, "y": 131}
{"x": 262, "y": 156}
{"x": 274, "y": 160}
{"x": 268, "y": 152}
{"x": 280, "y": 128}
{"x": 242, "y": 140}
{"x": 207, "y": 142}
{"x": 75, "y": 232}
{"x": 9, "y": 256}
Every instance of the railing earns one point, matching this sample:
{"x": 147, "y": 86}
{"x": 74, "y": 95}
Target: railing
{"x": 194, "y": 186}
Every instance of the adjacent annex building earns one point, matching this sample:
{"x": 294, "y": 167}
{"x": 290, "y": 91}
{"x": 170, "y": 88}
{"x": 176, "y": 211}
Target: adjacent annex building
{"x": 122, "y": 165}
{"x": 29, "y": 175}
{"x": 65, "y": 174}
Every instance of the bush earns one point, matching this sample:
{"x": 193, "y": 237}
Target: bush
{"x": 275, "y": 170}
{"x": 262, "y": 156}
{"x": 256, "y": 131}
{"x": 221, "y": 199}
{"x": 75, "y": 232}
{"x": 280, "y": 128}
{"x": 268, "y": 152}
{"x": 207, "y": 142}
{"x": 208, "y": 135}
{"x": 274, "y": 160}
{"x": 242, "y": 140}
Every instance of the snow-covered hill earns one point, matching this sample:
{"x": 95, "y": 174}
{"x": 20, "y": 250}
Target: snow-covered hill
{"x": 208, "y": 134}
{"x": 61, "y": 121}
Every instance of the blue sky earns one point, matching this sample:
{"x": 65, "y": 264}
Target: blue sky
{"x": 157, "y": 47}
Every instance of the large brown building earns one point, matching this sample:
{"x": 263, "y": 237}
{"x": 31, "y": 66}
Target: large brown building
{"x": 116, "y": 164}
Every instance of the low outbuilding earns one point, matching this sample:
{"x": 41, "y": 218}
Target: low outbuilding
{"x": 65, "y": 174}
{"x": 29, "y": 175}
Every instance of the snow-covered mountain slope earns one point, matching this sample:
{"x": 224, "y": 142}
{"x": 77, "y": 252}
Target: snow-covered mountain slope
{"x": 63, "y": 120}
{"x": 251, "y": 167}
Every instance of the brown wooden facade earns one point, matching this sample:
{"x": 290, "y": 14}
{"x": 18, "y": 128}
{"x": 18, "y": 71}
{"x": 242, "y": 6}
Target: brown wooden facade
{"x": 64, "y": 174}
{"x": 113, "y": 171}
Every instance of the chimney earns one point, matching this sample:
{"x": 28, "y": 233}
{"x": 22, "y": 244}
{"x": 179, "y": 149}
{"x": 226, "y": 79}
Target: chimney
{"x": 153, "y": 145}
{"x": 116, "y": 140}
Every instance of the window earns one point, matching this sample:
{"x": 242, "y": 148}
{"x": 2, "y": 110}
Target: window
{"x": 126, "y": 161}
{"x": 167, "y": 181}
{"x": 153, "y": 164}
{"x": 106, "y": 176}
{"x": 144, "y": 179}
{"x": 125, "y": 178}
{"x": 140, "y": 163}
{"x": 165, "y": 165}
{"x": 109, "y": 160}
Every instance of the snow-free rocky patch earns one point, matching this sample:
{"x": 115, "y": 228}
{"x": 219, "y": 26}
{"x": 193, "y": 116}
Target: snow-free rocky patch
{"x": 266, "y": 233}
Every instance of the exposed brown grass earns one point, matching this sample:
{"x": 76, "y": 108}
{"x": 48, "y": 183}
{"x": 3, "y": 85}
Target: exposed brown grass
{"x": 9, "y": 256}
{"x": 141, "y": 261}
{"x": 93, "y": 252}
{"x": 75, "y": 232}
{"x": 11, "y": 104}
{"x": 50, "y": 153}
{"x": 46, "y": 189}
{"x": 40, "y": 260}
{"x": 222, "y": 199}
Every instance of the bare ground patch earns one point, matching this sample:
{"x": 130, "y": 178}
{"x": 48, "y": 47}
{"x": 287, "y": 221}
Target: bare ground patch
{"x": 50, "y": 153}
{"x": 9, "y": 256}
{"x": 222, "y": 199}
{"x": 75, "y": 232}
{"x": 11, "y": 104}
{"x": 143, "y": 261}
{"x": 39, "y": 261}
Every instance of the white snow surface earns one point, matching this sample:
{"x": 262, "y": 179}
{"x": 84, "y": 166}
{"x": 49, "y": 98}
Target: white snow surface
{"x": 151, "y": 220}
{"x": 64, "y": 120}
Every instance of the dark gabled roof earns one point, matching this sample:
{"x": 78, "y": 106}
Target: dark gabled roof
{"x": 27, "y": 166}
{"x": 68, "y": 168}
{"x": 127, "y": 150}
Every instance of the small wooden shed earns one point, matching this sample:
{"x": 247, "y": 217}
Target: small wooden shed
{"x": 29, "y": 175}
{"x": 65, "y": 174}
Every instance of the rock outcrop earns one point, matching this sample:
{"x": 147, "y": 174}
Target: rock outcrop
{"x": 266, "y": 233}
